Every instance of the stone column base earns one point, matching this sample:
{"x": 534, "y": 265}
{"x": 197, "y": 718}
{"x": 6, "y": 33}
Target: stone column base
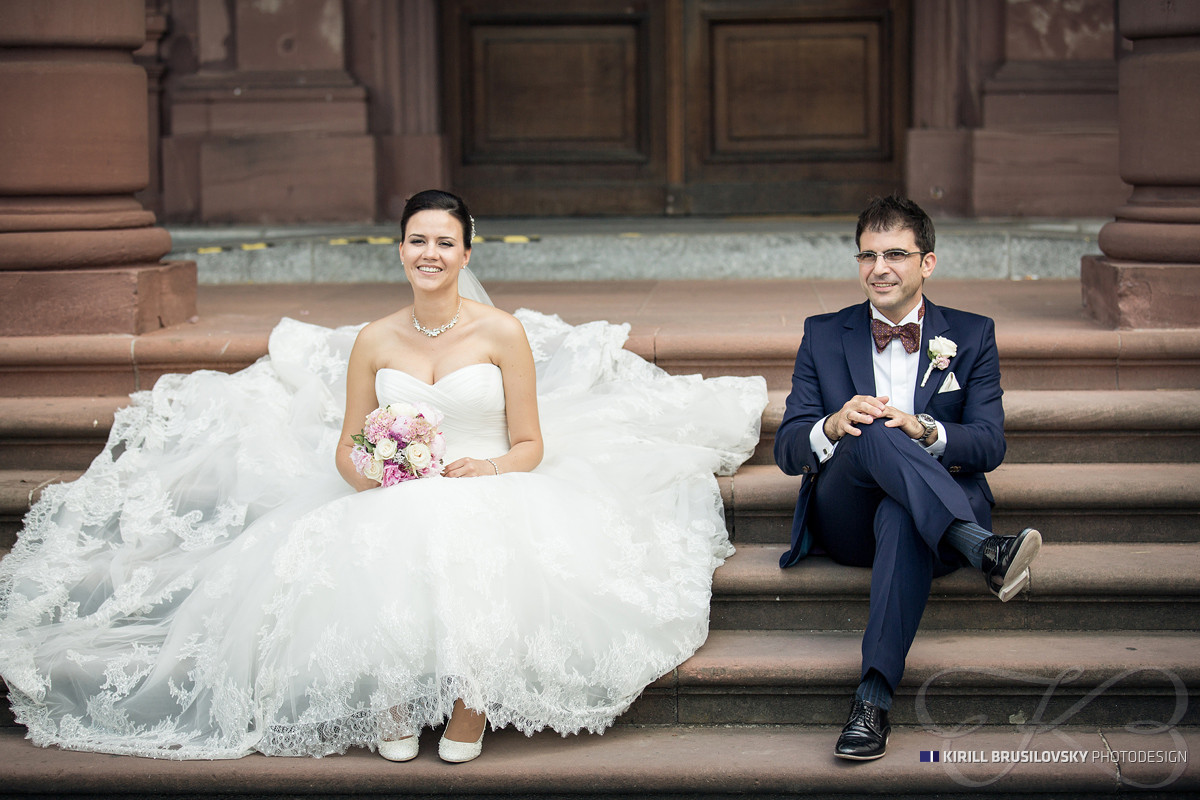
{"x": 406, "y": 165}
{"x": 127, "y": 299}
{"x": 1132, "y": 294}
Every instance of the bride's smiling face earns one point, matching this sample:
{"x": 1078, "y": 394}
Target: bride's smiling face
{"x": 433, "y": 250}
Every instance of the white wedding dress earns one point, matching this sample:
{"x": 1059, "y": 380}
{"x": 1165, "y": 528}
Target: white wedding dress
{"x": 211, "y": 587}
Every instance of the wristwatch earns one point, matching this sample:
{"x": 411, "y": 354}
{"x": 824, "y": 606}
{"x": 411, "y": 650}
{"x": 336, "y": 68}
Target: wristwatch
{"x": 929, "y": 424}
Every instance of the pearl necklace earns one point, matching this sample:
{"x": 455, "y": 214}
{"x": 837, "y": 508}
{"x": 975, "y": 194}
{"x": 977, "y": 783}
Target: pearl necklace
{"x": 437, "y": 331}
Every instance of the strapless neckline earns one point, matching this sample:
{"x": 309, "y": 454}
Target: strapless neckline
{"x": 448, "y": 375}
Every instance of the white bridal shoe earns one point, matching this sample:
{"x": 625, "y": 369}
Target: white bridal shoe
{"x": 401, "y": 749}
{"x": 458, "y": 752}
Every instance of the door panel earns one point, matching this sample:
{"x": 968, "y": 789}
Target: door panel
{"x": 795, "y": 90}
{"x": 556, "y": 108}
{"x": 794, "y": 107}
{"x": 675, "y": 106}
{"x": 590, "y": 72}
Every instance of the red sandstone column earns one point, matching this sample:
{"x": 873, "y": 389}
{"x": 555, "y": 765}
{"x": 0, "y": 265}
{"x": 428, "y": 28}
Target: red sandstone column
{"x": 78, "y": 254}
{"x": 1149, "y": 276}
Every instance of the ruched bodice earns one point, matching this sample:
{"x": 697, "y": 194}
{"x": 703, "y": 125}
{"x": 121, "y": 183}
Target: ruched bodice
{"x": 471, "y": 398}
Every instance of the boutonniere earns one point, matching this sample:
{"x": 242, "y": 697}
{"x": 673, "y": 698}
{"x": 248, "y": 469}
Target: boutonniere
{"x": 941, "y": 350}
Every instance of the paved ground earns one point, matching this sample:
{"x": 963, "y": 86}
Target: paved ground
{"x": 756, "y": 307}
{"x": 573, "y": 249}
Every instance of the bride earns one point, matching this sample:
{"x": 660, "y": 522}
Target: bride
{"x": 212, "y": 586}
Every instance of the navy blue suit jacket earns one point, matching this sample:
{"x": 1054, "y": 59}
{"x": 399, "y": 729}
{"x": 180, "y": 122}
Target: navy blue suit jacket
{"x": 834, "y": 364}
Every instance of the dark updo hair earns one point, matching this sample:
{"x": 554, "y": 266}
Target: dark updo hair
{"x": 888, "y": 213}
{"x": 437, "y": 200}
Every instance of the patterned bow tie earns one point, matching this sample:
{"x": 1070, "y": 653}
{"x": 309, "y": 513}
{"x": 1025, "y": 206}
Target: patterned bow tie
{"x": 909, "y": 335}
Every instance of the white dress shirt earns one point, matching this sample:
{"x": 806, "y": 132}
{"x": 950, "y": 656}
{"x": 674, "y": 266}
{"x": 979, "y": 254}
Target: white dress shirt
{"x": 895, "y": 378}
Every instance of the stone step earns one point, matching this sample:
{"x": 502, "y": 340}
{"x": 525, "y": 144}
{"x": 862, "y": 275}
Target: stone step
{"x": 98, "y": 365}
{"x": 57, "y": 432}
{"x": 751, "y": 677}
{"x": 710, "y": 327}
{"x": 1102, "y": 426}
{"x": 1132, "y": 503}
{"x": 990, "y": 677}
{"x": 1073, "y": 587}
{"x": 671, "y": 761}
{"x": 1073, "y": 426}
{"x": 1067, "y": 502}
{"x": 20, "y": 489}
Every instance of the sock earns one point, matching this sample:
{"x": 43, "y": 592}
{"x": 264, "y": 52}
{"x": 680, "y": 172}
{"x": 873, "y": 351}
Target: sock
{"x": 967, "y": 538}
{"x": 874, "y": 689}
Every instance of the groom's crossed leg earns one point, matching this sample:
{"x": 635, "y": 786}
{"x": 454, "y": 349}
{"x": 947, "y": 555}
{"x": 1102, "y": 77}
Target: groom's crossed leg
{"x": 882, "y": 502}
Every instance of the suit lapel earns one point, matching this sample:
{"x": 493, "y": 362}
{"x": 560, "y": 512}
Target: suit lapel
{"x": 933, "y": 325}
{"x": 857, "y": 344}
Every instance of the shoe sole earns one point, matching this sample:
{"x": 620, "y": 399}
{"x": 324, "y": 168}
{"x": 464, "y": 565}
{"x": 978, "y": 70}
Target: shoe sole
{"x": 1019, "y": 568}
{"x": 848, "y": 757}
{"x": 1013, "y": 589}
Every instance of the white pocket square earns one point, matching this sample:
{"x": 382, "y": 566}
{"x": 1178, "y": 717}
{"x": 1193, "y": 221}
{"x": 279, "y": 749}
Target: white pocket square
{"x": 950, "y": 384}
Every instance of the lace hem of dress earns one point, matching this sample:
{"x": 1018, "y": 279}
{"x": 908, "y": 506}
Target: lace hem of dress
{"x": 426, "y": 706}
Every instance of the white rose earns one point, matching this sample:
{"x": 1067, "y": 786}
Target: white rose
{"x": 386, "y": 448}
{"x": 431, "y": 415}
{"x": 374, "y": 470}
{"x": 418, "y": 455}
{"x": 401, "y": 410}
{"x": 943, "y": 346}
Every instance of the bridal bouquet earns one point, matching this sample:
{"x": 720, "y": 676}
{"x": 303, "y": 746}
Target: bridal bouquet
{"x": 399, "y": 442}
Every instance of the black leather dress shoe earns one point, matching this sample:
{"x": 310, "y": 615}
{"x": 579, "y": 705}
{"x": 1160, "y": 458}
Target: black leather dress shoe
{"x": 865, "y": 736}
{"x": 1006, "y": 561}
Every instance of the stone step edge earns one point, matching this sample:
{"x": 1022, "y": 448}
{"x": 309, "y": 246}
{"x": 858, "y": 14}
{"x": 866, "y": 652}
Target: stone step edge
{"x": 1073, "y": 410}
{"x": 1062, "y": 570}
{"x": 953, "y": 658}
{"x": 1145, "y": 571}
{"x": 1064, "y": 411}
{"x": 763, "y": 487}
{"x": 763, "y": 490}
{"x": 1156, "y": 485}
{"x": 941, "y": 660}
{"x": 699, "y": 761}
{"x": 186, "y": 347}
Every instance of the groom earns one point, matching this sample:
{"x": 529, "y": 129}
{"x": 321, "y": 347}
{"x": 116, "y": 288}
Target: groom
{"x": 893, "y": 419}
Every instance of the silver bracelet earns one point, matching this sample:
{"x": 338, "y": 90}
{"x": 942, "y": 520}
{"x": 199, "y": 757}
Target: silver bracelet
{"x": 493, "y": 463}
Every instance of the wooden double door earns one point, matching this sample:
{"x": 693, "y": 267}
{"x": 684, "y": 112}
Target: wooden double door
{"x": 649, "y": 107}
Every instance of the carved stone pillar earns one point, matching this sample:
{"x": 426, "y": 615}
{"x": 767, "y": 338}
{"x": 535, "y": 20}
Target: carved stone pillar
{"x": 957, "y": 44}
{"x": 392, "y": 50}
{"x": 147, "y": 58}
{"x": 264, "y": 123}
{"x": 78, "y": 254}
{"x": 1149, "y": 276}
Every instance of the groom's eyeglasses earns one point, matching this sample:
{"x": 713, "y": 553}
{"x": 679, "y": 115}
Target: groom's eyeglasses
{"x": 889, "y": 256}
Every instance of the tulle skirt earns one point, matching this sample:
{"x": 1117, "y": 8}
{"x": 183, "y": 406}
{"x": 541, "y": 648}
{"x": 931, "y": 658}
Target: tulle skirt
{"x": 211, "y": 587}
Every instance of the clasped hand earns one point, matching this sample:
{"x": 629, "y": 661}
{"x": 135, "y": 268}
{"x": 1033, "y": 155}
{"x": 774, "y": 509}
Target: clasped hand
{"x": 864, "y": 410}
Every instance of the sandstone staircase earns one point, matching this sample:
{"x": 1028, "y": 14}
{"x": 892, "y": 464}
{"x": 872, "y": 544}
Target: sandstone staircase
{"x": 1101, "y": 655}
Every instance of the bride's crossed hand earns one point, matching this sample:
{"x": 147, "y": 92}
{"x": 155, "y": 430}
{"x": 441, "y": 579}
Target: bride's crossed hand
{"x": 471, "y": 468}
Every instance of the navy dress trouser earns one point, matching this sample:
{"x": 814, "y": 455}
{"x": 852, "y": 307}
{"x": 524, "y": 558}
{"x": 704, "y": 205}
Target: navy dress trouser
{"x": 881, "y": 501}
